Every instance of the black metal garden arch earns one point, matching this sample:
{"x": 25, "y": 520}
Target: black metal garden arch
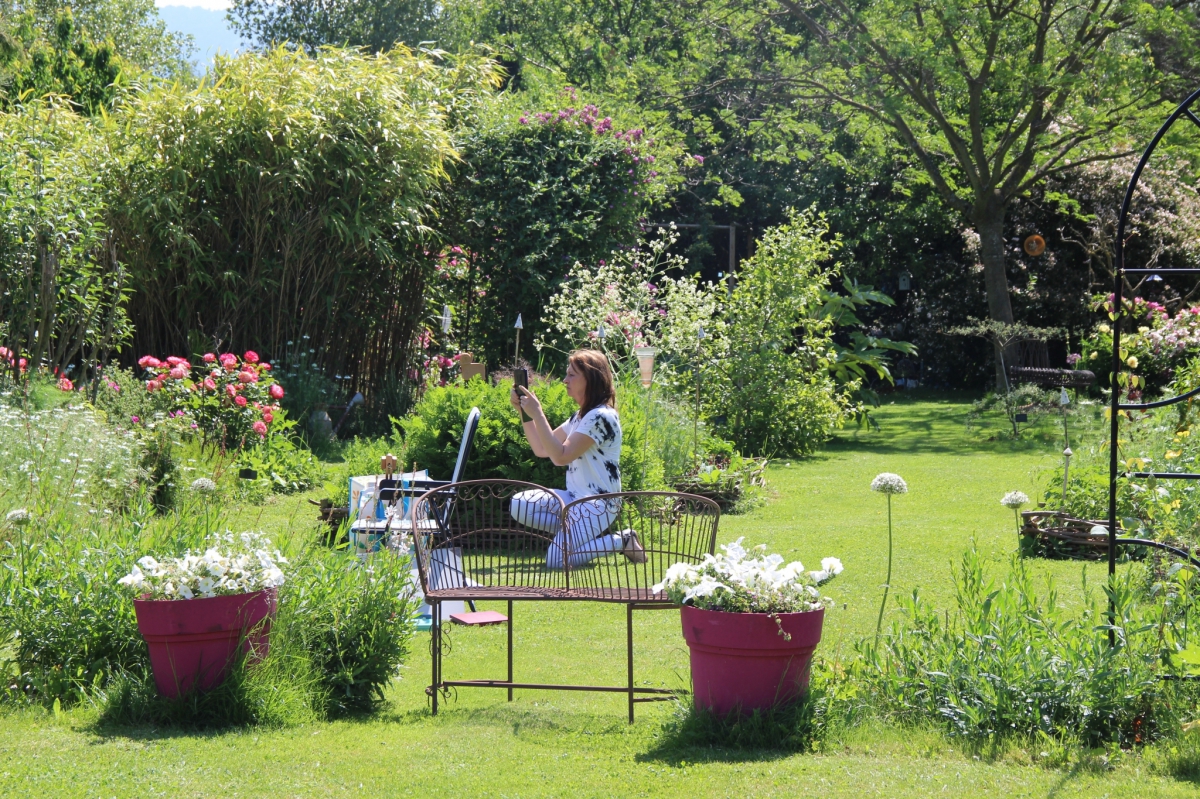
{"x": 1114, "y": 473}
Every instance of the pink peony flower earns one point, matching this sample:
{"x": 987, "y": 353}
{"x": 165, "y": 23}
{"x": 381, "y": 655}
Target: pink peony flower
{"x": 175, "y": 360}
{"x": 228, "y": 360}
{"x": 149, "y": 362}
{"x": 153, "y": 385}
{"x": 265, "y": 366}
{"x": 268, "y": 417}
{"x": 209, "y": 357}
{"x": 22, "y": 363}
{"x": 250, "y": 357}
{"x": 260, "y": 428}
{"x": 247, "y": 376}
{"x": 239, "y": 401}
{"x": 134, "y": 419}
{"x": 179, "y": 373}
{"x": 276, "y": 391}
{"x": 65, "y": 385}
{"x": 209, "y": 384}
{"x": 231, "y": 389}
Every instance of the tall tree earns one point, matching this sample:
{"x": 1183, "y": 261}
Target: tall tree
{"x": 136, "y": 33}
{"x": 991, "y": 97}
{"x": 377, "y": 25}
{"x": 713, "y": 75}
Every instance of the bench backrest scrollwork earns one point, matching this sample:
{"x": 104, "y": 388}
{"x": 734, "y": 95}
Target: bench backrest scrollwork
{"x": 505, "y": 535}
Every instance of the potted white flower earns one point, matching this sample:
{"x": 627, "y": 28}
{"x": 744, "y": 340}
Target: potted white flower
{"x": 751, "y": 623}
{"x": 197, "y": 611}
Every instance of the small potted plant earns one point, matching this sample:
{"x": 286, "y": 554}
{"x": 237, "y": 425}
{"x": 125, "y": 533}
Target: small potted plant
{"x": 751, "y": 623}
{"x": 197, "y": 611}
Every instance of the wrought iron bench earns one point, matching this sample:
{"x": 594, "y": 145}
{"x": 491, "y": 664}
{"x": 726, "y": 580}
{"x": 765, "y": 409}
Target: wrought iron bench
{"x": 1033, "y": 366}
{"x": 479, "y": 551}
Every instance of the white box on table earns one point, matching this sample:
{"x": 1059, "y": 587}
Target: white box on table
{"x": 365, "y": 506}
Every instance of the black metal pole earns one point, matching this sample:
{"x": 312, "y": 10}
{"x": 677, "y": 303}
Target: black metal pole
{"x": 1114, "y": 431}
{"x": 1118, "y": 290}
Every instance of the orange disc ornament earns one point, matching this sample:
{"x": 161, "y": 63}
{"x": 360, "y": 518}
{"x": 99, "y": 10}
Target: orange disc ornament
{"x": 1035, "y": 245}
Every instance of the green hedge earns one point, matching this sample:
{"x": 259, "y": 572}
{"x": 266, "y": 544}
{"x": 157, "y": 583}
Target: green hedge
{"x": 434, "y": 428}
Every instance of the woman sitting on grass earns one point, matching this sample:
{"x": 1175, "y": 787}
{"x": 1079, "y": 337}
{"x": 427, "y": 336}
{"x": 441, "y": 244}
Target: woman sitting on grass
{"x": 589, "y": 445}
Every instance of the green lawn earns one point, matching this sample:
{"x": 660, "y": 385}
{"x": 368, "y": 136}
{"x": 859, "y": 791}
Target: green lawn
{"x": 568, "y": 744}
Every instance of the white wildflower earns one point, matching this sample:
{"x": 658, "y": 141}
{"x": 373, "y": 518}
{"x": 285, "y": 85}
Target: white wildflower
{"x": 888, "y": 483}
{"x": 1014, "y": 500}
{"x": 19, "y": 517}
{"x": 202, "y": 485}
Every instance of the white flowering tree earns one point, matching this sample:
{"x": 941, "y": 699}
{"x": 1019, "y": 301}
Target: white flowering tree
{"x": 627, "y": 301}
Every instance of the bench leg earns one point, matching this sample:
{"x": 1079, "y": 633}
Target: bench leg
{"x": 510, "y": 668}
{"x": 436, "y": 649}
{"x": 629, "y": 652}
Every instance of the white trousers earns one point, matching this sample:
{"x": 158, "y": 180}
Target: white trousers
{"x": 584, "y": 532}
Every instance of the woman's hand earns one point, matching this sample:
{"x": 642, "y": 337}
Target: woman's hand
{"x": 529, "y": 403}
{"x": 514, "y": 399}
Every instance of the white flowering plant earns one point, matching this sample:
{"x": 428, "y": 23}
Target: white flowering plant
{"x": 231, "y": 564}
{"x": 749, "y": 581}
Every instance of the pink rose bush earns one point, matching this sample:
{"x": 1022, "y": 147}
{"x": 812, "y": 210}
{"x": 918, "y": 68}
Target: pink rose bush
{"x": 233, "y": 402}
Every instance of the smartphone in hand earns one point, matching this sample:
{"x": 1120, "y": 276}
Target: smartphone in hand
{"x": 521, "y": 380}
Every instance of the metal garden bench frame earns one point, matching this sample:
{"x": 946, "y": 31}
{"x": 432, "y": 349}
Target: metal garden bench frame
{"x": 480, "y": 552}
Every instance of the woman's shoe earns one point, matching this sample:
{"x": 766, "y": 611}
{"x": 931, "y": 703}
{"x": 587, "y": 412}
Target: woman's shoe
{"x": 633, "y": 548}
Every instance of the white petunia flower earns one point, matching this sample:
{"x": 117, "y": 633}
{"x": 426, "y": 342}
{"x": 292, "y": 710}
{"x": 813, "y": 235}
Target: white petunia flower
{"x": 831, "y": 565}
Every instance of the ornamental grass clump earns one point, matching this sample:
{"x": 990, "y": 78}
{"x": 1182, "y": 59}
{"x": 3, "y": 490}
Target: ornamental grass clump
{"x": 231, "y": 564}
{"x": 741, "y": 581}
{"x": 1005, "y": 660}
{"x": 889, "y": 484}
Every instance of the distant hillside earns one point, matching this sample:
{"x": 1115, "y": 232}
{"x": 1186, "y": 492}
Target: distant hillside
{"x": 209, "y": 28}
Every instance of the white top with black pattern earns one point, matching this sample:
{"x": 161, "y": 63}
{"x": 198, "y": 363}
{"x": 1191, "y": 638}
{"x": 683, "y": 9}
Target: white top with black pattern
{"x": 598, "y": 470}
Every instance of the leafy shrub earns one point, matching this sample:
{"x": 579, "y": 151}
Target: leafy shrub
{"x": 433, "y": 431}
{"x": 355, "y": 621}
{"x": 767, "y": 371}
{"x": 70, "y": 626}
{"x": 1010, "y": 663}
{"x": 124, "y": 400}
{"x": 536, "y": 193}
{"x": 283, "y": 465}
{"x": 773, "y": 379}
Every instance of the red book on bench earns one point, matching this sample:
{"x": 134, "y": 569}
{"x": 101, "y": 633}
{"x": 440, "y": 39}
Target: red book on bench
{"x": 479, "y": 617}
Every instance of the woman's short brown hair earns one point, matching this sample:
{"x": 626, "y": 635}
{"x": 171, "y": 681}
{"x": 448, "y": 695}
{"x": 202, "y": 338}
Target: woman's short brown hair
{"x": 592, "y": 365}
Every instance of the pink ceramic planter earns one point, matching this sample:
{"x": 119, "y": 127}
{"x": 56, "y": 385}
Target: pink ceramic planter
{"x": 741, "y": 662}
{"x": 193, "y": 641}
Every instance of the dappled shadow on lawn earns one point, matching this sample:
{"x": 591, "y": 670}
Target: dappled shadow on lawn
{"x": 926, "y": 422}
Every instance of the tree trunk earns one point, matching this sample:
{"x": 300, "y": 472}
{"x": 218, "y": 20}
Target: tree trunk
{"x": 989, "y": 224}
